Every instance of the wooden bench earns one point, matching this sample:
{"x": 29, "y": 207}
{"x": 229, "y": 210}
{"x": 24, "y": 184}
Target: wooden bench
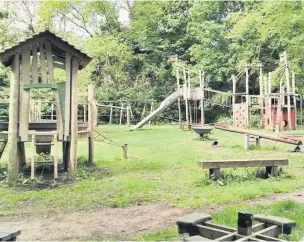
{"x": 9, "y": 234}
{"x": 270, "y": 164}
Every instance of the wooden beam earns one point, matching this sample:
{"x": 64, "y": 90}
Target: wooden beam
{"x": 25, "y": 96}
{"x": 13, "y": 163}
{"x": 202, "y": 84}
{"x": 74, "y": 129}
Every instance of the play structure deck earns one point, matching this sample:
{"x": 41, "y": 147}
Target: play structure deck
{"x": 215, "y": 167}
{"x": 267, "y": 228}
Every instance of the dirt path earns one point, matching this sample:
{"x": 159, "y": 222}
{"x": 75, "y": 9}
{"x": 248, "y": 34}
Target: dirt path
{"x": 116, "y": 222}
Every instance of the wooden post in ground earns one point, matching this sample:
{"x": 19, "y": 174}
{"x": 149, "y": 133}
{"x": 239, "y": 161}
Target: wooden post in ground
{"x": 246, "y": 141}
{"x": 74, "y": 128}
{"x": 270, "y": 101}
{"x": 84, "y": 112}
{"x": 202, "y": 85}
{"x": 121, "y": 113}
{"x": 55, "y": 157}
{"x": 128, "y": 115}
{"x": 125, "y": 151}
{"x": 179, "y": 101}
{"x": 111, "y": 113}
{"x": 247, "y": 97}
{"x": 288, "y": 93}
{"x": 233, "y": 96}
{"x": 186, "y": 98}
{"x": 262, "y": 96}
{"x": 293, "y": 80}
{"x": 33, "y": 158}
{"x": 91, "y": 123}
{"x": 13, "y": 164}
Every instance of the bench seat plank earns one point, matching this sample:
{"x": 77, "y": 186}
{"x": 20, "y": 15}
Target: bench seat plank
{"x": 242, "y": 163}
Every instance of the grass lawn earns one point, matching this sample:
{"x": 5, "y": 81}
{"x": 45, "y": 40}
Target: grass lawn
{"x": 228, "y": 217}
{"x": 162, "y": 166}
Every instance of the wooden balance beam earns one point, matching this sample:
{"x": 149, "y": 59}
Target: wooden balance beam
{"x": 215, "y": 166}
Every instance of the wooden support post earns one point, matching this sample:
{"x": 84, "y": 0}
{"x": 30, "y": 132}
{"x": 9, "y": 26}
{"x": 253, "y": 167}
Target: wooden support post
{"x": 293, "y": 80}
{"x": 246, "y": 141}
{"x": 33, "y": 158}
{"x": 261, "y": 97}
{"x": 202, "y": 84}
{"x": 270, "y": 102}
{"x": 186, "y": 99}
{"x": 272, "y": 171}
{"x": 190, "y": 111}
{"x": 247, "y": 97}
{"x": 178, "y": 101}
{"x": 91, "y": 123}
{"x": 74, "y": 128}
{"x": 67, "y": 106}
{"x": 214, "y": 173}
{"x": 288, "y": 94}
{"x": 233, "y": 98}
{"x": 111, "y": 113}
{"x": 125, "y": 151}
{"x": 13, "y": 163}
{"x": 55, "y": 157}
{"x": 121, "y": 113}
{"x": 25, "y": 95}
{"x": 128, "y": 115}
{"x": 84, "y": 112}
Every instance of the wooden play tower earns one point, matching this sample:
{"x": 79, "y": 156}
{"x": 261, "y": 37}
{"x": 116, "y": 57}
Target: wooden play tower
{"x": 32, "y": 63}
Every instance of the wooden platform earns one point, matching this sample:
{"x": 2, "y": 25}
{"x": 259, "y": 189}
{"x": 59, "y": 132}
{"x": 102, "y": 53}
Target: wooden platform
{"x": 270, "y": 164}
{"x": 43, "y": 126}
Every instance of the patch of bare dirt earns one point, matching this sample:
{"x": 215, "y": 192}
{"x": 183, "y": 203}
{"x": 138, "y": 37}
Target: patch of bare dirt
{"x": 118, "y": 222}
{"x": 104, "y": 222}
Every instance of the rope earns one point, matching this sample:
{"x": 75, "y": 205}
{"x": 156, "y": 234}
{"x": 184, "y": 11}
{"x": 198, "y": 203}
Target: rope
{"x": 101, "y": 138}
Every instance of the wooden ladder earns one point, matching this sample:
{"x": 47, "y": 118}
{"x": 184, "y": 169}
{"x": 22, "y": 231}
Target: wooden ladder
{"x": 52, "y": 143}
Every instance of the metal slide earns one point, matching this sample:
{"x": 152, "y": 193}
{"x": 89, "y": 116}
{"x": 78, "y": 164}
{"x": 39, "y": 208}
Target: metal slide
{"x": 166, "y": 103}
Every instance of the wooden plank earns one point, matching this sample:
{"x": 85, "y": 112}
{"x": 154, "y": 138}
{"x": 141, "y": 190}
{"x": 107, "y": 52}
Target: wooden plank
{"x": 43, "y": 69}
{"x": 67, "y": 108}
{"x": 211, "y": 233}
{"x": 272, "y": 231}
{"x": 242, "y": 163}
{"x": 74, "y": 105}
{"x": 222, "y": 227}
{"x": 13, "y": 164}
{"x": 40, "y": 85}
{"x": 49, "y": 58}
{"x": 25, "y": 96}
{"x": 34, "y": 64}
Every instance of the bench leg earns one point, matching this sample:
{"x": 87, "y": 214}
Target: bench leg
{"x": 246, "y": 141}
{"x": 215, "y": 172}
{"x": 271, "y": 170}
